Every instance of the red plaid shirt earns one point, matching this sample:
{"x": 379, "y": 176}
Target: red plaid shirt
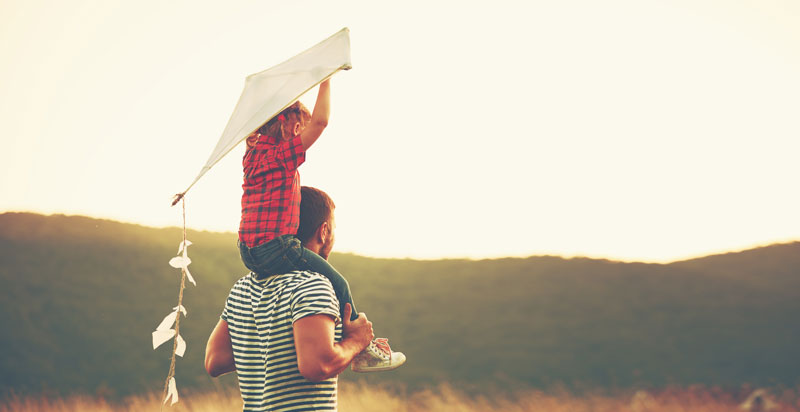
{"x": 271, "y": 198}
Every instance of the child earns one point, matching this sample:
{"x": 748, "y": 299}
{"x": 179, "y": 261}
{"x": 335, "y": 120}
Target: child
{"x": 271, "y": 211}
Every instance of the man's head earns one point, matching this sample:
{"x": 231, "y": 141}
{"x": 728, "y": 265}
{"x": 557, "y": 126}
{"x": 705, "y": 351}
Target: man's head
{"x": 316, "y": 221}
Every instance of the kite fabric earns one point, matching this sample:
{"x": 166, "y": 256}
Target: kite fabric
{"x": 268, "y": 92}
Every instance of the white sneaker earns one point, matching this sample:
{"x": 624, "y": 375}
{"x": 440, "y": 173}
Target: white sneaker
{"x": 378, "y": 356}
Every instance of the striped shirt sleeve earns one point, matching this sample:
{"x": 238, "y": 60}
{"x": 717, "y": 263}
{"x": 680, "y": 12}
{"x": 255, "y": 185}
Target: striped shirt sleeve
{"x": 315, "y": 296}
{"x": 233, "y": 295}
{"x": 224, "y": 315}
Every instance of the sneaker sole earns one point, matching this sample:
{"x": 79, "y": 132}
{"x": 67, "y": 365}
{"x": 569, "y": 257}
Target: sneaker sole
{"x": 379, "y": 368}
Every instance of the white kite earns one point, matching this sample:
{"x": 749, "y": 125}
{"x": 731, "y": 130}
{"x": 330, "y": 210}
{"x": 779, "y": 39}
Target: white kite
{"x": 268, "y": 92}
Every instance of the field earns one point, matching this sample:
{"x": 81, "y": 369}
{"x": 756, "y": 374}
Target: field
{"x": 83, "y": 295}
{"x": 364, "y": 398}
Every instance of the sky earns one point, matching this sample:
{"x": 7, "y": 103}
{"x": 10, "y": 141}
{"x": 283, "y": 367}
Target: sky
{"x": 636, "y": 130}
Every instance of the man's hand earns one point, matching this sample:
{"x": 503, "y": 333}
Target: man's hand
{"x": 319, "y": 357}
{"x": 358, "y": 331}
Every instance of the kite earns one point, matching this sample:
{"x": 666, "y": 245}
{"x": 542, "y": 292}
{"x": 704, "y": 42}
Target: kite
{"x": 265, "y": 95}
{"x": 268, "y": 92}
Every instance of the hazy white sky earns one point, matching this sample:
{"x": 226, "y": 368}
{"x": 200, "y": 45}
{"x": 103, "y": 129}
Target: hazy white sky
{"x": 635, "y": 130}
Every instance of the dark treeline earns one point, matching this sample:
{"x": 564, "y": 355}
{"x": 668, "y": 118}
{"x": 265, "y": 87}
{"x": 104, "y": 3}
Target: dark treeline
{"x": 81, "y": 297}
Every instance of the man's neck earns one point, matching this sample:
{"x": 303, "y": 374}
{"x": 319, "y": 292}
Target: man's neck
{"x": 313, "y": 246}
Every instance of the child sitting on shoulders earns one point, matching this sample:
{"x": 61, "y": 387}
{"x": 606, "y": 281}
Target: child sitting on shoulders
{"x": 268, "y": 242}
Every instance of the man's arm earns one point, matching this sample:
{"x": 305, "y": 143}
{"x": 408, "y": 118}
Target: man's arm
{"x": 319, "y": 118}
{"x": 319, "y": 357}
{"x": 219, "y": 353}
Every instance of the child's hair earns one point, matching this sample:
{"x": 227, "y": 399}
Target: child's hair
{"x": 279, "y": 125}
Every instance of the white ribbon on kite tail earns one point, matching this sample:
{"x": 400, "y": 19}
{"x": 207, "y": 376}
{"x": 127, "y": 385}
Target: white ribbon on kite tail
{"x": 268, "y": 92}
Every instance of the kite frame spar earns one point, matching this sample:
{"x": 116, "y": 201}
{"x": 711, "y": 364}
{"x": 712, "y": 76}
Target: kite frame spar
{"x": 340, "y": 39}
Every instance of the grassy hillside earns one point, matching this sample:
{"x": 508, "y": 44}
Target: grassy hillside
{"x": 81, "y": 297}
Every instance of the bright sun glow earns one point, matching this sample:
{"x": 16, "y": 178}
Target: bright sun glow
{"x": 635, "y": 130}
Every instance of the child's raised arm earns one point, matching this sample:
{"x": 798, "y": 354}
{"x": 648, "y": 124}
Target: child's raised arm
{"x": 319, "y": 118}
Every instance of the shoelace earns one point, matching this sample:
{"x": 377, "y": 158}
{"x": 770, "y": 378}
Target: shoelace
{"x": 383, "y": 345}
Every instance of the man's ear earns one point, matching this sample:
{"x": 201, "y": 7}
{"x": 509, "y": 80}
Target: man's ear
{"x": 322, "y": 232}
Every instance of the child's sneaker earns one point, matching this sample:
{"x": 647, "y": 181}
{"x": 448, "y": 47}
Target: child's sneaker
{"x": 378, "y": 356}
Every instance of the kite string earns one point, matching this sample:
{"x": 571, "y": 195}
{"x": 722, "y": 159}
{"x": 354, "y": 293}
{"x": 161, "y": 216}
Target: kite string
{"x": 171, "y": 373}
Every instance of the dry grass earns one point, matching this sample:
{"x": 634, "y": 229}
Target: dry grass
{"x": 364, "y": 398}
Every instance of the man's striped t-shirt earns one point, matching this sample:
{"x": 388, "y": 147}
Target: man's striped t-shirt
{"x": 260, "y": 314}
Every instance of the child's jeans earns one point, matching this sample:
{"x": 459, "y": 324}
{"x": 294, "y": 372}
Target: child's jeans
{"x": 285, "y": 254}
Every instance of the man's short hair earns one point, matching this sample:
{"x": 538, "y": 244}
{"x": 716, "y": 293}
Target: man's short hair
{"x": 316, "y": 207}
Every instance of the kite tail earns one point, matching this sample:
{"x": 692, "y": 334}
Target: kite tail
{"x": 177, "y": 198}
{"x": 171, "y": 373}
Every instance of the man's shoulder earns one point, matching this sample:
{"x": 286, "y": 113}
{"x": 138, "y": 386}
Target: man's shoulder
{"x": 290, "y": 278}
{"x": 311, "y": 294}
{"x": 301, "y": 278}
{"x": 241, "y": 282}
{"x": 303, "y": 285}
{"x": 291, "y": 283}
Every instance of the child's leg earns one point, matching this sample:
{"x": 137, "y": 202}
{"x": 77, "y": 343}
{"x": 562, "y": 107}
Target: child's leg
{"x": 378, "y": 356}
{"x": 305, "y": 259}
{"x": 285, "y": 254}
{"x": 270, "y": 258}
{"x": 315, "y": 263}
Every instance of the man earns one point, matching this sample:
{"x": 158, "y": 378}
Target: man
{"x": 283, "y": 334}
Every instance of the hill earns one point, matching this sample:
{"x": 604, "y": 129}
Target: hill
{"x": 81, "y": 297}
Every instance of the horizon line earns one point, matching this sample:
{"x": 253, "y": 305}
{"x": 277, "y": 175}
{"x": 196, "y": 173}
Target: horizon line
{"x": 718, "y": 252}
